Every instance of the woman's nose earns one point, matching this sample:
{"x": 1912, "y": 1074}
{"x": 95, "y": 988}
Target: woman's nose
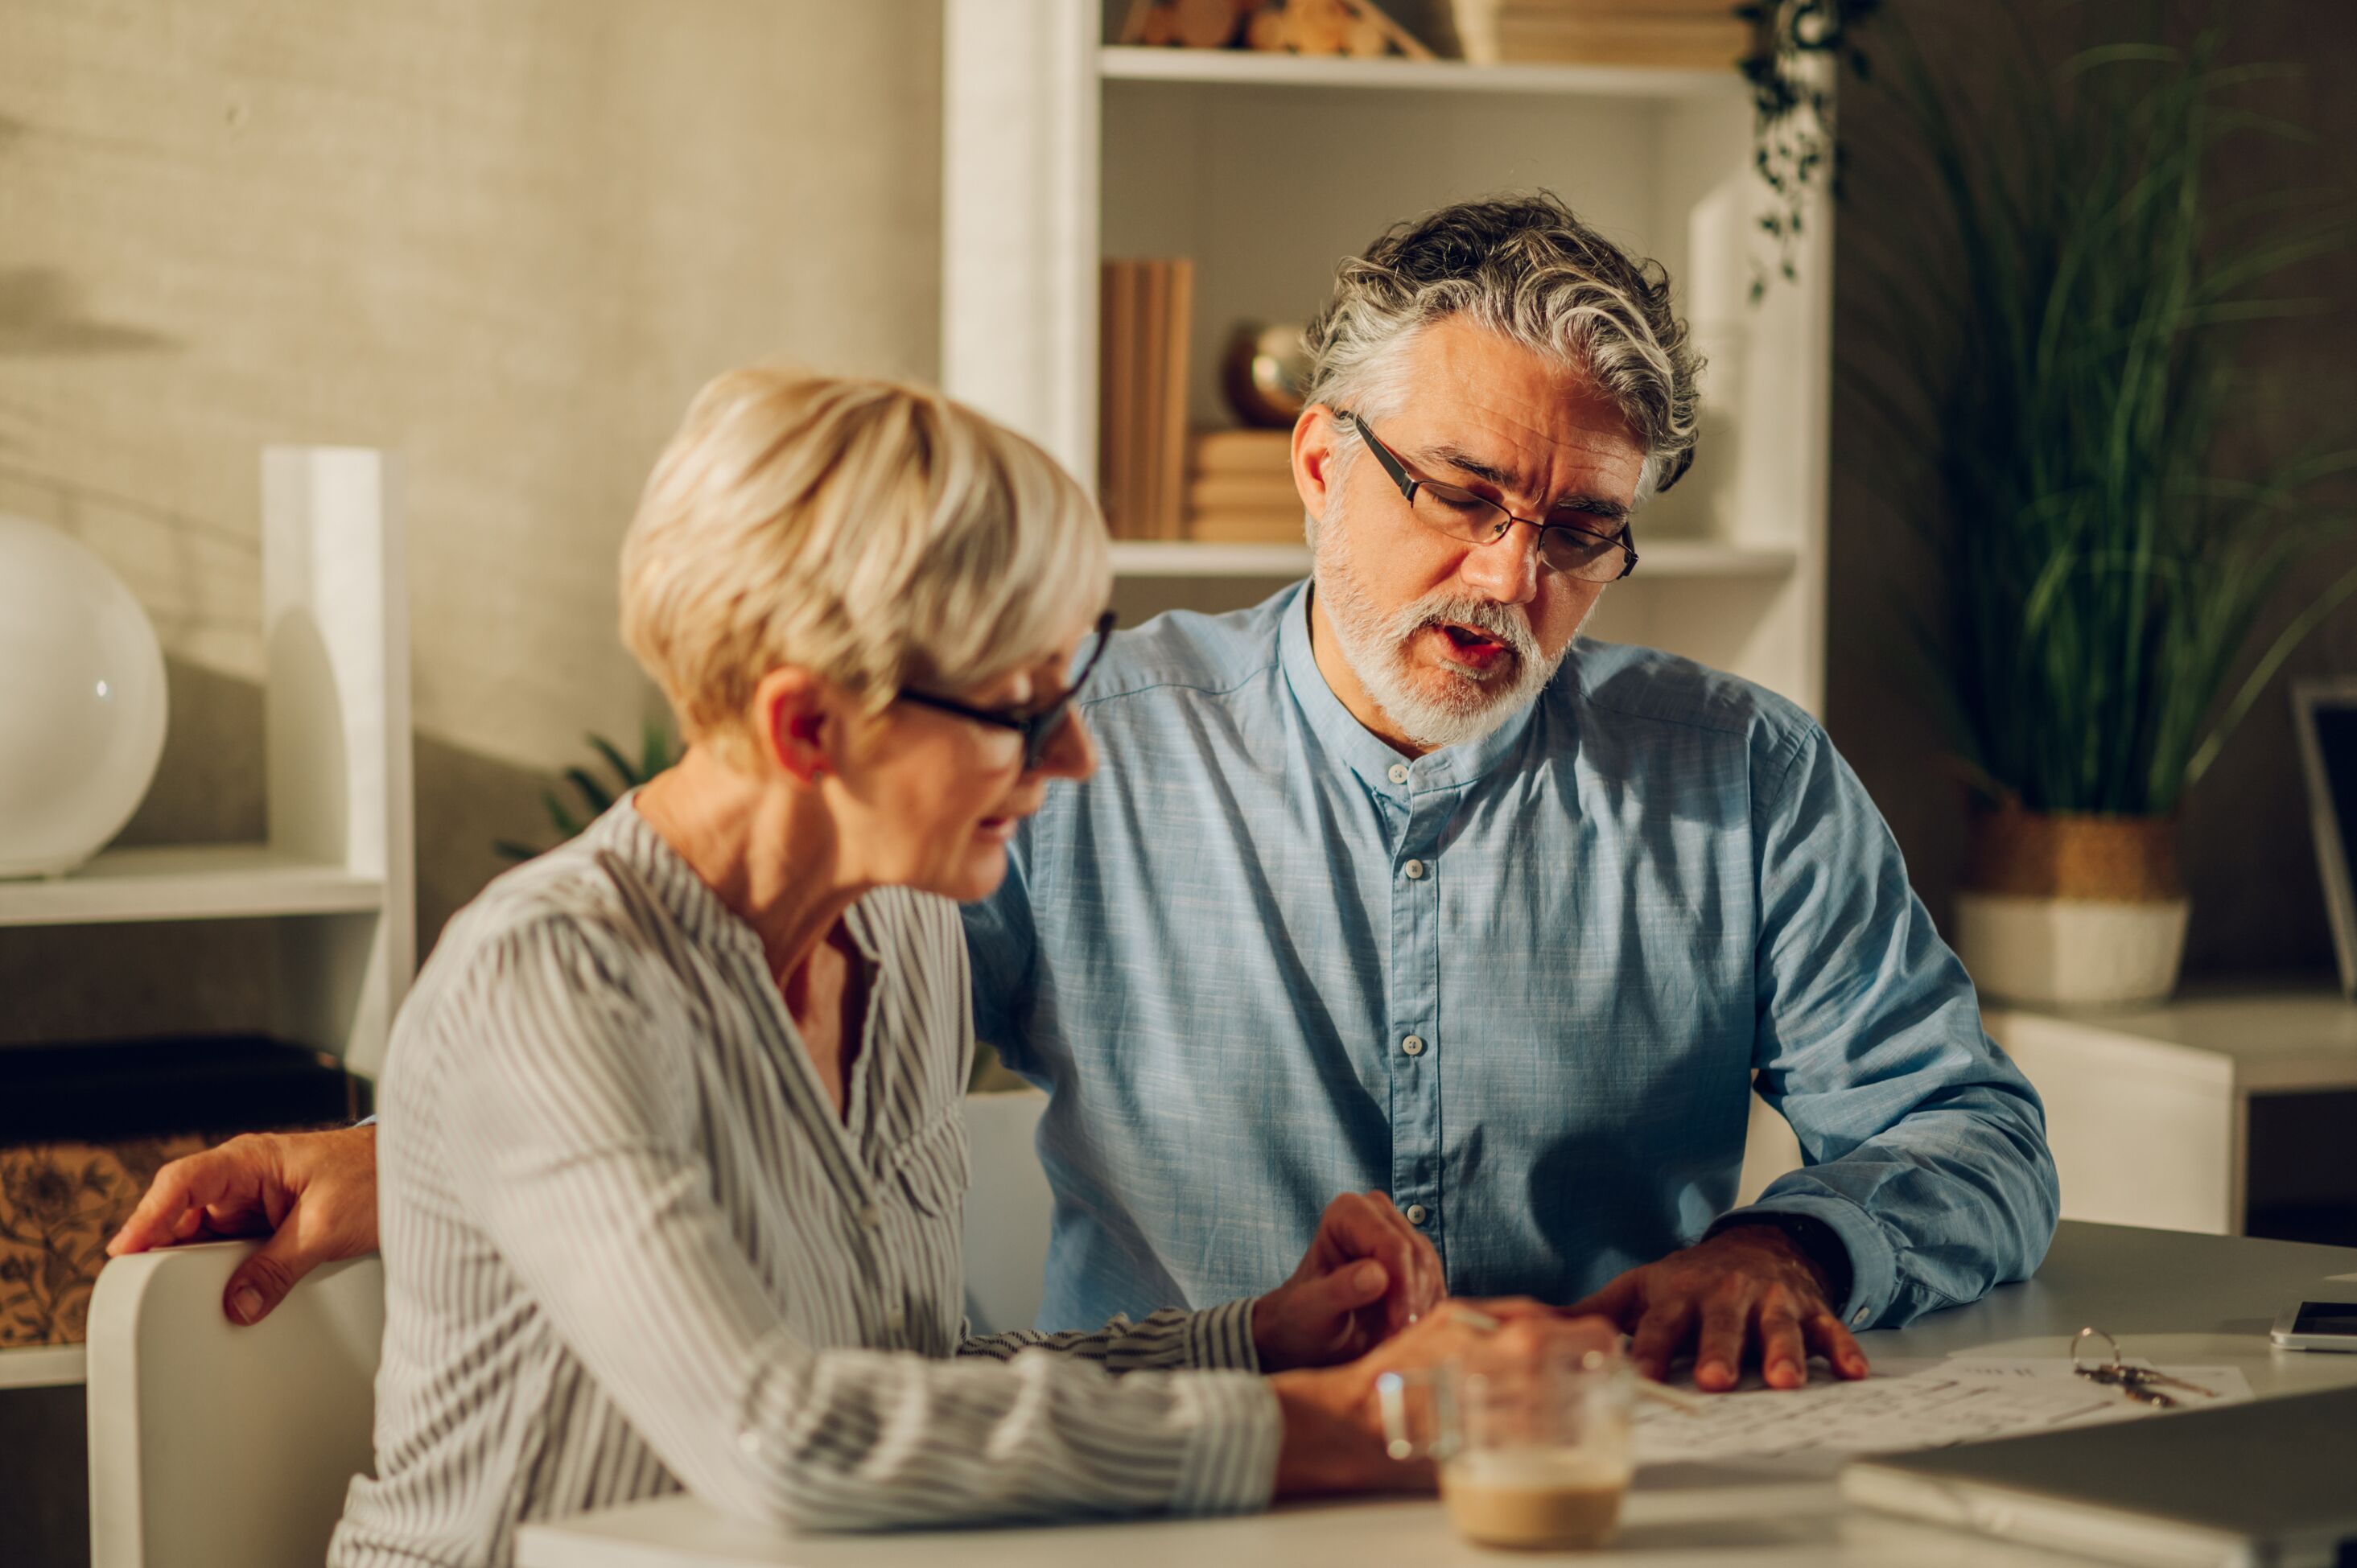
{"x": 1071, "y": 751}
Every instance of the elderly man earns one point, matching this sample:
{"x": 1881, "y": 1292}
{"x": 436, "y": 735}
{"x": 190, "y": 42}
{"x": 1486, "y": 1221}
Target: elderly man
{"x": 1391, "y": 882}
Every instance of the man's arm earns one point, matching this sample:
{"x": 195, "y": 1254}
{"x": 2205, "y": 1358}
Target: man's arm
{"x": 1928, "y": 1180}
{"x": 1926, "y": 1146}
{"x": 312, "y": 1194}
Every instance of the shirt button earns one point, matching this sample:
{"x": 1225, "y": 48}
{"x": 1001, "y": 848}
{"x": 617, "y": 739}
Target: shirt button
{"x": 1857, "y": 1318}
{"x": 1399, "y": 773}
{"x": 1413, "y": 1045}
{"x": 1414, "y": 868}
{"x": 1415, "y": 1214}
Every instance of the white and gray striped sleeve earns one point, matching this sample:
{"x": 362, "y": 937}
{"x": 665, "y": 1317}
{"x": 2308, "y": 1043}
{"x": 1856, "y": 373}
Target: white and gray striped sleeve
{"x": 568, "y": 1132}
{"x": 1219, "y": 1338}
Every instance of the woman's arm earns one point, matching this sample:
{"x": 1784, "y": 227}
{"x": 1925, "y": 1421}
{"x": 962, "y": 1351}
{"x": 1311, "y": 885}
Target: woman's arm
{"x": 562, "y": 1124}
{"x": 1218, "y": 1340}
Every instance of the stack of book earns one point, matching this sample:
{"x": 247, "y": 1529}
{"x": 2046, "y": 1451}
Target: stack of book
{"x": 1696, "y": 35}
{"x": 1240, "y": 487}
{"x": 1147, "y": 309}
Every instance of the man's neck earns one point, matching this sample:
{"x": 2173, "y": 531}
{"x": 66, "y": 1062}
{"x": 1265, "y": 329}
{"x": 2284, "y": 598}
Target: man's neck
{"x": 1326, "y": 649}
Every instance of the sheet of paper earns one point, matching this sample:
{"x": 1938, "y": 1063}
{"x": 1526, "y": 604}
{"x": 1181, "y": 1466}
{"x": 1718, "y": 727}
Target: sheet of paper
{"x": 1905, "y": 1405}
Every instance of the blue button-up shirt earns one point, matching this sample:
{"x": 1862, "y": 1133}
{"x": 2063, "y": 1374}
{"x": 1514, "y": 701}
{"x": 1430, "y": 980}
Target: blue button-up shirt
{"x": 1522, "y": 985}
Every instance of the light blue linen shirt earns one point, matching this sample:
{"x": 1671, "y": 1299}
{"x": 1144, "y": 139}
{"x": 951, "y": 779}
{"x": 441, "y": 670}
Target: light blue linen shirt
{"x": 1522, "y": 985}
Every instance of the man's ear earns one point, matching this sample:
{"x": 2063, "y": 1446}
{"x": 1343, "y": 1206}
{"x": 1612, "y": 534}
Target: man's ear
{"x": 794, "y": 718}
{"x": 1316, "y": 437}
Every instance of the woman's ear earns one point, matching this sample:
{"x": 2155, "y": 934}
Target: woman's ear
{"x": 792, "y": 715}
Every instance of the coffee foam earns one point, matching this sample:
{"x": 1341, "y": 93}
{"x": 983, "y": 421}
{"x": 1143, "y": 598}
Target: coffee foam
{"x": 1539, "y": 1468}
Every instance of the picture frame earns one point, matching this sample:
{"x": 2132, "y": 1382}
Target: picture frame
{"x": 2324, "y": 714}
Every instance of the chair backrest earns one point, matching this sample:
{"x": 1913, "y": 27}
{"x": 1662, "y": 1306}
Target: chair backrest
{"x": 217, "y": 1446}
{"x": 1008, "y": 1210}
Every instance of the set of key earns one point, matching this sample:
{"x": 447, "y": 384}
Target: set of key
{"x": 2149, "y": 1385}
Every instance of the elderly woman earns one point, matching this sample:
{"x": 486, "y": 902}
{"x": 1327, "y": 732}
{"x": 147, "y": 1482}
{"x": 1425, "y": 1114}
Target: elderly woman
{"x": 670, "y": 1156}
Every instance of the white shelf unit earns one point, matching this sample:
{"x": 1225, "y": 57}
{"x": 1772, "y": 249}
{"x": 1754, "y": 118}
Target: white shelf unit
{"x": 1267, "y": 169}
{"x": 337, "y": 870}
{"x": 1116, "y": 63}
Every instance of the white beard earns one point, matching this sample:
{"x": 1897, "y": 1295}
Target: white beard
{"x": 1432, "y": 707}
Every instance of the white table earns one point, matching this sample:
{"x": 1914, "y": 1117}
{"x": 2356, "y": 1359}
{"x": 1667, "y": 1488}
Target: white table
{"x": 2175, "y": 1297}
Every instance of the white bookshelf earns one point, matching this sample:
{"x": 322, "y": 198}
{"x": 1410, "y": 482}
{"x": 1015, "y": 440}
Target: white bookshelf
{"x": 335, "y": 871}
{"x": 1266, "y": 170}
{"x": 1249, "y": 68}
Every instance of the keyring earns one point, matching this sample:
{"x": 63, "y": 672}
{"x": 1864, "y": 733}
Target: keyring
{"x": 2109, "y": 1369}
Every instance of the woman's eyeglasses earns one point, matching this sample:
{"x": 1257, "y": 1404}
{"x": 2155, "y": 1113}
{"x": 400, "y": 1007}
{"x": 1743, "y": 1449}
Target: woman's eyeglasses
{"x": 1590, "y": 554}
{"x": 1038, "y": 726}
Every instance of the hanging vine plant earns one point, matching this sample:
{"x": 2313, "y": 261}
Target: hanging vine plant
{"x": 1795, "y": 146}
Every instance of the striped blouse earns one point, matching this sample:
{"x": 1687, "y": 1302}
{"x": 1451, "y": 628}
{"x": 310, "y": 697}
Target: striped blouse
{"x": 630, "y": 1247}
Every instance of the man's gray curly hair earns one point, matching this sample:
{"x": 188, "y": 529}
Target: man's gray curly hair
{"x": 1527, "y": 268}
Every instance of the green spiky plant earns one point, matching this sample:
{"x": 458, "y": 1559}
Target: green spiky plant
{"x": 656, "y": 753}
{"x": 2057, "y": 322}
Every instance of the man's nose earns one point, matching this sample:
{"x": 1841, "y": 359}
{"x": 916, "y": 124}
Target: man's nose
{"x": 1507, "y": 569}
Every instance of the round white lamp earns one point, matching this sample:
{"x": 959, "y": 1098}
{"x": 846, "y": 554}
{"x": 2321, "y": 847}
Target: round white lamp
{"x": 81, "y": 702}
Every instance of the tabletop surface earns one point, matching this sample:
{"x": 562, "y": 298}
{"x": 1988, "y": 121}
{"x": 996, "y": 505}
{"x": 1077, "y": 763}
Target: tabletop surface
{"x": 2172, "y": 1296}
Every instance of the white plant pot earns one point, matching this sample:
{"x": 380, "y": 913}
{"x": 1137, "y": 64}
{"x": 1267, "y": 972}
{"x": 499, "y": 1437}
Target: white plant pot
{"x": 81, "y": 702}
{"x": 2070, "y": 952}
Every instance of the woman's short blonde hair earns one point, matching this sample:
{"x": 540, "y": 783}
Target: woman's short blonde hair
{"x": 876, "y": 533}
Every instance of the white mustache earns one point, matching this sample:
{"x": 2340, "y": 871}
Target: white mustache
{"x": 1485, "y": 616}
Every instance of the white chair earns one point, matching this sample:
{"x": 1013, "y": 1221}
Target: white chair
{"x": 1008, "y": 1208}
{"x": 217, "y": 1446}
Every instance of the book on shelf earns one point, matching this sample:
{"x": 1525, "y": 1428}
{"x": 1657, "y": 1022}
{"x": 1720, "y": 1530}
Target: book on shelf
{"x": 1241, "y": 452}
{"x": 1240, "y": 487}
{"x": 1695, "y": 35}
{"x": 1146, "y": 314}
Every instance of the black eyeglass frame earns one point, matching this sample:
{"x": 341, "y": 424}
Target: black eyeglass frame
{"x": 1409, "y": 484}
{"x": 1038, "y": 727}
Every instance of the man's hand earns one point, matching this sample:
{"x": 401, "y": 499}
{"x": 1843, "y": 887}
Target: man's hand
{"x": 1333, "y": 1429}
{"x": 1367, "y": 1275}
{"x": 1749, "y": 1292}
{"x": 313, "y": 1194}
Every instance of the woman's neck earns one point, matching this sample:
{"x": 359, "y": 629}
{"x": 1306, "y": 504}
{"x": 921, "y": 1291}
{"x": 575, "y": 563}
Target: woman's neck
{"x": 769, "y": 852}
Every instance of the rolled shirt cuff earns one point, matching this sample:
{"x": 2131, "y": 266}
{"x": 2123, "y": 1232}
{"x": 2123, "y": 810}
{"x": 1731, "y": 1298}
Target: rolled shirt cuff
{"x": 1873, "y": 1262}
{"x": 1229, "y": 1465}
{"x": 1220, "y": 1338}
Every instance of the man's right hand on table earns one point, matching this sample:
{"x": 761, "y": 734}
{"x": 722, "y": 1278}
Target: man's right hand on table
{"x": 312, "y": 1194}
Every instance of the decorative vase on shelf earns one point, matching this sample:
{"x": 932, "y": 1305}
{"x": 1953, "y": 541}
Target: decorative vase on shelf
{"x": 2072, "y": 910}
{"x": 81, "y": 702}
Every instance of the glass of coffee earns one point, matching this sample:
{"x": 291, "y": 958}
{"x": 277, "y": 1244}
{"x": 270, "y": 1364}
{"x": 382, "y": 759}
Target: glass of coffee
{"x": 1530, "y": 1454}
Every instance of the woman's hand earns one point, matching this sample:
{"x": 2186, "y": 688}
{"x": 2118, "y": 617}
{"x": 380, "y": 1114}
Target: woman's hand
{"x": 1333, "y": 1428}
{"x": 1368, "y": 1274}
{"x": 313, "y": 1194}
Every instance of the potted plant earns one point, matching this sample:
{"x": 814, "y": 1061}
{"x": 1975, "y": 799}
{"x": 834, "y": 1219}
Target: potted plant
{"x": 2057, "y": 323}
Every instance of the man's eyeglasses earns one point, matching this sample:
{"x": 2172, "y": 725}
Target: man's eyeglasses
{"x": 1038, "y": 726}
{"x": 1590, "y": 554}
